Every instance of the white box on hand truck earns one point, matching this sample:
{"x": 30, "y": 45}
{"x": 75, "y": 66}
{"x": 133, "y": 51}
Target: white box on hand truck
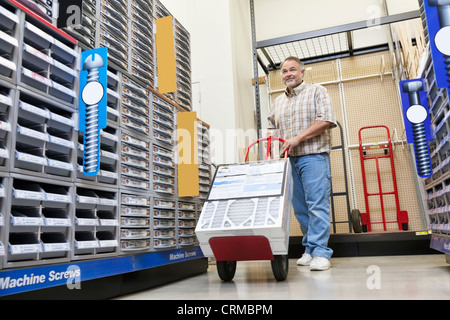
{"x": 247, "y": 216}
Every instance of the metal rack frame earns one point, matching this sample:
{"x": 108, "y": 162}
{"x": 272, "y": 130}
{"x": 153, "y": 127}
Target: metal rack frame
{"x": 269, "y": 54}
{"x": 343, "y": 31}
{"x": 437, "y": 186}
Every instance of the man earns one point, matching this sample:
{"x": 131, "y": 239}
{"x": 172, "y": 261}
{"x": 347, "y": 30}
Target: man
{"x": 303, "y": 115}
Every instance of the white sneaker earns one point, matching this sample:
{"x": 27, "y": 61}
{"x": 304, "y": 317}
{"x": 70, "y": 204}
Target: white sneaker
{"x": 319, "y": 264}
{"x": 304, "y": 260}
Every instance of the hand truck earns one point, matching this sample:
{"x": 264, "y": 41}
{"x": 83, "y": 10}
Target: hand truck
{"x": 363, "y": 219}
{"x": 237, "y": 236}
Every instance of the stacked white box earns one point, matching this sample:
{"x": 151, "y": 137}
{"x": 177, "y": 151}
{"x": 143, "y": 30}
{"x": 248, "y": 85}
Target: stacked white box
{"x": 96, "y": 221}
{"x": 204, "y": 160}
{"x": 126, "y": 29}
{"x": 252, "y": 199}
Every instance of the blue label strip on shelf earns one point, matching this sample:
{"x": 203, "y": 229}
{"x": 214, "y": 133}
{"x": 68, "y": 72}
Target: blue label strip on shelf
{"x": 440, "y": 244}
{"x": 157, "y": 259}
{"x": 74, "y": 273}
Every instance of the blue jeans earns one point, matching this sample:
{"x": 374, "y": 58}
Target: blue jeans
{"x": 311, "y": 201}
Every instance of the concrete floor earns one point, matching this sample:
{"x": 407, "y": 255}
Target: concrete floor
{"x": 357, "y": 278}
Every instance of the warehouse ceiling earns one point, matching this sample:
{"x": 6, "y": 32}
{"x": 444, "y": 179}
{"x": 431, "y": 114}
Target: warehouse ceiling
{"x": 329, "y": 43}
{"x": 308, "y": 49}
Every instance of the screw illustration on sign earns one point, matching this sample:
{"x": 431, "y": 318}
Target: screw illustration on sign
{"x": 417, "y": 123}
{"x": 92, "y": 106}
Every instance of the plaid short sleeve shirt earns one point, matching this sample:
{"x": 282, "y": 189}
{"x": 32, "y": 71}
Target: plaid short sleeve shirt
{"x": 297, "y": 110}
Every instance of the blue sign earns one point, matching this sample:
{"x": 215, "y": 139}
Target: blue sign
{"x": 417, "y": 123}
{"x": 92, "y": 106}
{"x": 73, "y": 274}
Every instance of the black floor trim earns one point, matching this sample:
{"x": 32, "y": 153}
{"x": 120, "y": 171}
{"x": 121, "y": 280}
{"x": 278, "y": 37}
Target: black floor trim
{"x": 371, "y": 244}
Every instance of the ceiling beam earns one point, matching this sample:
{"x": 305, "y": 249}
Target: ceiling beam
{"x": 338, "y": 29}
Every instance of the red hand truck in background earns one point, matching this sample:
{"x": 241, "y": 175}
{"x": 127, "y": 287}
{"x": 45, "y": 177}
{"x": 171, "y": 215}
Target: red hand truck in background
{"x": 366, "y": 154}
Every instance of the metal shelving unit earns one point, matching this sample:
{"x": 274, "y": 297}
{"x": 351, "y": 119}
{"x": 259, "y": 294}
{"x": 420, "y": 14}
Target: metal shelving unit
{"x": 437, "y": 187}
{"x": 337, "y": 42}
{"x": 39, "y": 226}
{"x": 126, "y": 29}
{"x": 51, "y": 214}
{"x": 38, "y": 140}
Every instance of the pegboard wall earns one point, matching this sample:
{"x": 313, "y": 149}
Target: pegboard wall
{"x": 364, "y": 93}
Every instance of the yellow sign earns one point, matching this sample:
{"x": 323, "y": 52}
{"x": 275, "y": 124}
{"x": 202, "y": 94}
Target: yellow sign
{"x": 187, "y": 150}
{"x": 165, "y": 55}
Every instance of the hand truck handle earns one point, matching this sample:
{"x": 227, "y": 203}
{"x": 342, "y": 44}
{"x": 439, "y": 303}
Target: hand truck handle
{"x": 370, "y": 127}
{"x": 269, "y": 144}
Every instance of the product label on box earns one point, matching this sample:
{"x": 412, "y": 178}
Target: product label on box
{"x": 56, "y": 247}
{"x": 5, "y": 100}
{"x": 135, "y": 244}
{"x": 36, "y": 77}
{"x": 30, "y": 158}
{"x": 108, "y": 243}
{"x": 134, "y": 183}
{"x": 66, "y": 69}
{"x": 109, "y": 222}
{"x": 39, "y": 32}
{"x": 108, "y": 174}
{"x": 33, "y": 133}
{"x": 135, "y": 211}
{"x": 4, "y": 153}
{"x": 33, "y": 109}
{"x": 61, "y": 141}
{"x": 86, "y": 222}
{"x": 27, "y": 221}
{"x": 252, "y": 180}
{"x": 108, "y": 154}
{"x": 57, "y": 222}
{"x": 8, "y": 64}
{"x": 109, "y": 136}
{"x": 38, "y": 54}
{"x": 87, "y": 244}
{"x": 59, "y": 164}
{"x": 30, "y": 195}
{"x": 108, "y": 202}
{"x": 25, "y": 248}
{"x": 135, "y": 200}
{"x": 134, "y": 141}
{"x": 58, "y": 197}
{"x": 62, "y": 119}
{"x": 84, "y": 199}
{"x": 5, "y": 126}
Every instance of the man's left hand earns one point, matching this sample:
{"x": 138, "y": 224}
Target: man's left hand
{"x": 290, "y": 144}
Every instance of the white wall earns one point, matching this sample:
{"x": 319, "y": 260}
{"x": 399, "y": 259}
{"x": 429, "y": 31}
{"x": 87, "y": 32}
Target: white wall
{"x": 208, "y": 23}
{"x": 399, "y": 6}
{"x": 280, "y": 18}
{"x": 243, "y": 73}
